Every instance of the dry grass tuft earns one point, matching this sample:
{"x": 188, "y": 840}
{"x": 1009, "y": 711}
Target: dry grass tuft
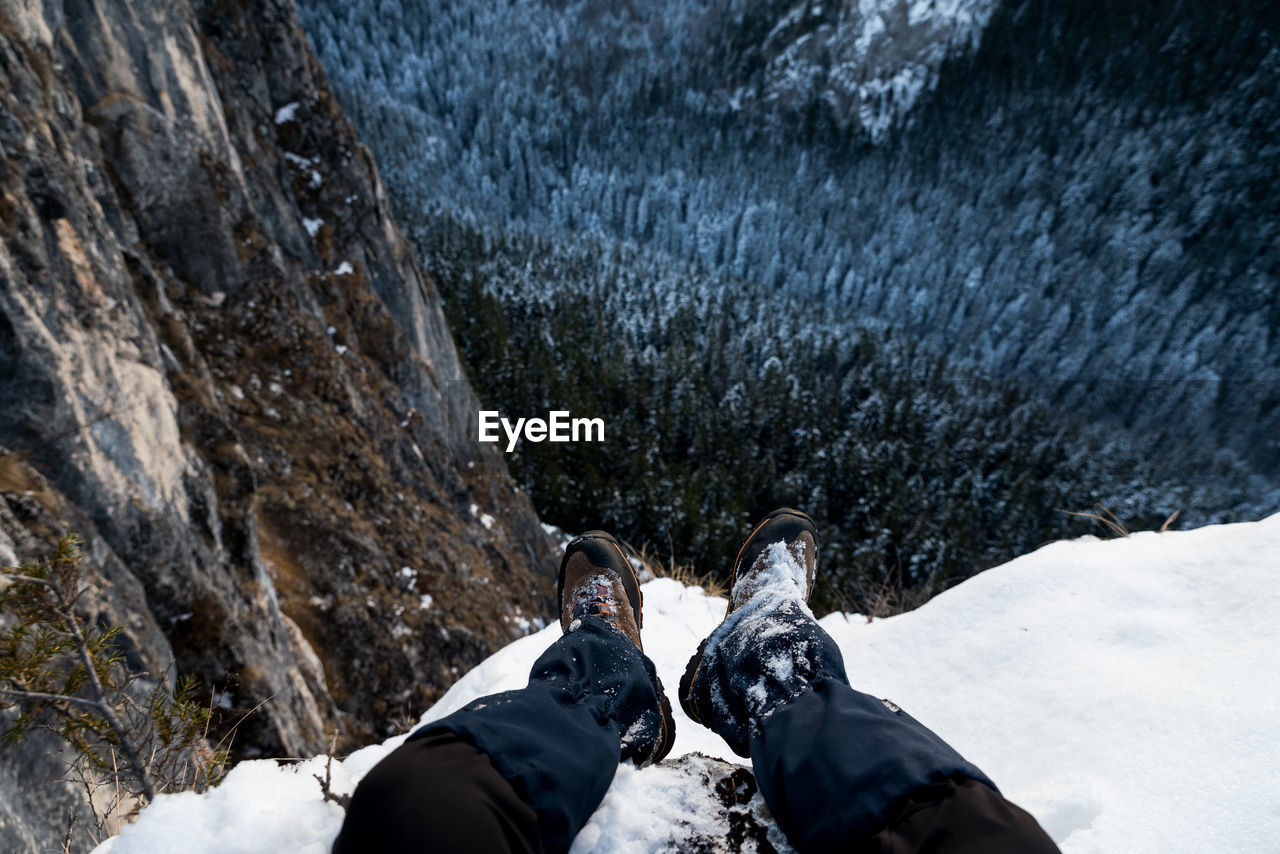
{"x": 1103, "y": 517}
{"x": 19, "y": 478}
{"x": 887, "y": 597}
{"x": 685, "y": 573}
{"x": 1110, "y": 523}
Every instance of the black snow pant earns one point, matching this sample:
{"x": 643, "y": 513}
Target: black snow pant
{"x": 524, "y": 770}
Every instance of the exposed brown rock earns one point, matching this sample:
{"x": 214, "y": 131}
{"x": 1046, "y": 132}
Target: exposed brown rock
{"x": 220, "y": 363}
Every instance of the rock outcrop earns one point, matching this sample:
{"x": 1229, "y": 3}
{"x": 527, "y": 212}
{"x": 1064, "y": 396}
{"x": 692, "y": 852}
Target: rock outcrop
{"x": 221, "y": 366}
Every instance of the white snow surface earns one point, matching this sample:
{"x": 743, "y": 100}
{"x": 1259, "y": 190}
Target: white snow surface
{"x": 1126, "y": 692}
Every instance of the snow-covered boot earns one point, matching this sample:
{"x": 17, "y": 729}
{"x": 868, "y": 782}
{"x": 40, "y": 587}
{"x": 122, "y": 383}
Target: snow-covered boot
{"x": 752, "y": 567}
{"x": 769, "y": 647}
{"x": 839, "y": 769}
{"x": 597, "y": 580}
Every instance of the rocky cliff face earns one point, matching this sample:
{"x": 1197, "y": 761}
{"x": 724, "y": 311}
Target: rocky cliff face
{"x": 220, "y": 365}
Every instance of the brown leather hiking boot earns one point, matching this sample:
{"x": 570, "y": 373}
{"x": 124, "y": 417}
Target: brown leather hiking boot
{"x": 756, "y": 567}
{"x": 596, "y": 579}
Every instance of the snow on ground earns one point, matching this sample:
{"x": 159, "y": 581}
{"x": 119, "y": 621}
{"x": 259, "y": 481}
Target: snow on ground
{"x": 1126, "y": 692}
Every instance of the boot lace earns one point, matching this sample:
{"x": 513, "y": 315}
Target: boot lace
{"x": 595, "y": 598}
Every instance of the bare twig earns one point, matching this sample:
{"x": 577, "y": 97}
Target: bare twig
{"x": 230, "y": 734}
{"x": 9, "y": 576}
{"x": 326, "y": 782}
{"x": 19, "y": 694}
{"x": 115, "y": 774}
{"x": 71, "y": 826}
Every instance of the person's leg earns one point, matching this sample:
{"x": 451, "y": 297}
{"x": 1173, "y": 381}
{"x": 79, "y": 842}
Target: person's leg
{"x": 839, "y": 769}
{"x": 960, "y": 817}
{"x": 438, "y": 793}
{"x": 593, "y": 699}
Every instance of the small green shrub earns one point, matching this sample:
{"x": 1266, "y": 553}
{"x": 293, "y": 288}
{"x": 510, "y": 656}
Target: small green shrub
{"x": 60, "y": 672}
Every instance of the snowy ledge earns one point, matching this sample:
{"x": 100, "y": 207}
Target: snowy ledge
{"x": 1123, "y": 691}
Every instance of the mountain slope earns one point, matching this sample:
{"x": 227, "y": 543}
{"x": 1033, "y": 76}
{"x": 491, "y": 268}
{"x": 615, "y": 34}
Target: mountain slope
{"x": 1068, "y": 235}
{"x": 724, "y": 399}
{"x": 1085, "y": 202}
{"x": 220, "y": 364}
{"x": 1122, "y": 691}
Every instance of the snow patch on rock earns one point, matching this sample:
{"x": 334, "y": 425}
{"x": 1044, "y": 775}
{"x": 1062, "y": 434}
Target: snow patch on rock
{"x": 287, "y": 113}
